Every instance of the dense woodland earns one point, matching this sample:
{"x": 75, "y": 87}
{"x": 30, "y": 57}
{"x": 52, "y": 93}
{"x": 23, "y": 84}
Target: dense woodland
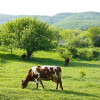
{"x": 64, "y": 20}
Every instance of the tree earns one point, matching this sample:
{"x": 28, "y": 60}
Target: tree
{"x": 67, "y": 35}
{"x": 37, "y": 36}
{"x": 7, "y": 35}
{"x": 30, "y": 34}
{"x": 95, "y": 35}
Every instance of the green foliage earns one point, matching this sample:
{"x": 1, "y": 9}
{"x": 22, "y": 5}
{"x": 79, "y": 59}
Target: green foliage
{"x": 29, "y": 34}
{"x": 89, "y": 54}
{"x": 73, "y": 51}
{"x": 62, "y": 51}
{"x": 81, "y": 53}
{"x": 76, "y": 38}
{"x": 95, "y": 35}
{"x": 69, "y": 51}
{"x": 85, "y": 54}
{"x": 67, "y": 35}
{"x": 80, "y": 39}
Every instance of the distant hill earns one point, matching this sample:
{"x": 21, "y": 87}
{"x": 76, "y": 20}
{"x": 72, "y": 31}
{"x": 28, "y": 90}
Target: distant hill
{"x": 64, "y": 20}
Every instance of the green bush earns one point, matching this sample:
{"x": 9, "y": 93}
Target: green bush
{"x": 69, "y": 51}
{"x": 63, "y": 52}
{"x": 88, "y": 54}
{"x": 82, "y": 73}
{"x": 85, "y": 54}
{"x": 82, "y": 53}
{"x": 79, "y": 42}
{"x": 73, "y": 51}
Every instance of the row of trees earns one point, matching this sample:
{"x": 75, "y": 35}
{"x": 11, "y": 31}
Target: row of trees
{"x": 28, "y": 34}
{"x": 32, "y": 35}
{"x": 80, "y": 44}
{"x": 79, "y": 38}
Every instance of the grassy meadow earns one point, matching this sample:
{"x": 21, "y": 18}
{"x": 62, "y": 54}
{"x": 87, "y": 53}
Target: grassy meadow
{"x": 13, "y": 69}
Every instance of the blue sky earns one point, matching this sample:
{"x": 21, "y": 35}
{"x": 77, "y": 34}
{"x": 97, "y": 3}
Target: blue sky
{"x": 47, "y": 7}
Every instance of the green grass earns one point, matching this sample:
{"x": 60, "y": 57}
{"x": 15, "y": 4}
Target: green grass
{"x": 13, "y": 69}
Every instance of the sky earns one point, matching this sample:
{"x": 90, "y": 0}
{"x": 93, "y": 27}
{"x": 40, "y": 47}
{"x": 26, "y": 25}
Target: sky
{"x": 47, "y": 7}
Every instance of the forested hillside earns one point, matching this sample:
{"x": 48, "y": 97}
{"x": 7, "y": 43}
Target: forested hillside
{"x": 64, "y": 20}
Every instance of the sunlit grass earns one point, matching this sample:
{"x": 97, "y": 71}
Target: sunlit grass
{"x": 13, "y": 69}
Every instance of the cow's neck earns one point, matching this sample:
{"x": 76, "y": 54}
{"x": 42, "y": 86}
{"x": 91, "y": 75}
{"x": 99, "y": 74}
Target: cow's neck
{"x": 27, "y": 79}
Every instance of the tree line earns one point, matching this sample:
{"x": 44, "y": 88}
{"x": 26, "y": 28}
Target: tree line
{"x": 80, "y": 44}
{"x": 32, "y": 35}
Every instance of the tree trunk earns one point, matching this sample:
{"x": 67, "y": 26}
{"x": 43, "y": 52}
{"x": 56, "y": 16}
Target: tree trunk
{"x": 11, "y": 51}
{"x": 29, "y": 53}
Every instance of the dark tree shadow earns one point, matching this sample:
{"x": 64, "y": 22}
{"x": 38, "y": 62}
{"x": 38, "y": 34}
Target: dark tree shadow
{"x": 47, "y": 61}
{"x": 80, "y": 64}
{"x": 10, "y": 57}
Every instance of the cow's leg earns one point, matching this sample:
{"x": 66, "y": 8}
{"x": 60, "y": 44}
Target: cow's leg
{"x": 60, "y": 84}
{"x": 41, "y": 84}
{"x": 36, "y": 83}
{"x": 57, "y": 84}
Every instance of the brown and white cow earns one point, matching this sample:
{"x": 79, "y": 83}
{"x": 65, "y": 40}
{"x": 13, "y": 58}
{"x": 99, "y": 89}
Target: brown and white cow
{"x": 44, "y": 72}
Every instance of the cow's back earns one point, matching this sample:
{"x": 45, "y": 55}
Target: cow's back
{"x": 47, "y": 72}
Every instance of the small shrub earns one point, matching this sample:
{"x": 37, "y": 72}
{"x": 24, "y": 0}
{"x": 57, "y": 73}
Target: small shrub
{"x": 82, "y": 73}
{"x": 63, "y": 52}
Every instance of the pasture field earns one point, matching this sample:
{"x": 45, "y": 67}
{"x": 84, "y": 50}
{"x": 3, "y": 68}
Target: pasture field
{"x": 13, "y": 69}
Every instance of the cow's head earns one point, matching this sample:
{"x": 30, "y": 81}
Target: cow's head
{"x": 24, "y": 84}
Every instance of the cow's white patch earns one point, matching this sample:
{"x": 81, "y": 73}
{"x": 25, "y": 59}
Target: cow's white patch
{"x": 35, "y": 71}
{"x": 36, "y": 80}
{"x": 43, "y": 66}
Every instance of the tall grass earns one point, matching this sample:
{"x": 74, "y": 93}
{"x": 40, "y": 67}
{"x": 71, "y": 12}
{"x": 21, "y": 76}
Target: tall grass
{"x": 13, "y": 69}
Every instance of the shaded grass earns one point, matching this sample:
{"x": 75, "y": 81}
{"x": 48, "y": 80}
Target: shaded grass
{"x": 48, "y": 61}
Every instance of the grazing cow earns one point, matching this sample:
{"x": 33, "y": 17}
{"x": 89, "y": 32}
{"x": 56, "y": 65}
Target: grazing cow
{"x": 44, "y": 72}
{"x": 66, "y": 61}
